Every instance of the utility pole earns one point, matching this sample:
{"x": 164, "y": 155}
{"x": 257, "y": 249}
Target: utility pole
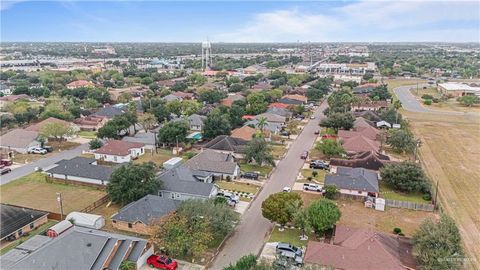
{"x": 436, "y": 194}
{"x": 155, "y": 139}
{"x": 60, "y": 201}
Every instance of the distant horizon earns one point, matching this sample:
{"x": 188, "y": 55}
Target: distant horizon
{"x": 246, "y": 42}
{"x": 362, "y": 21}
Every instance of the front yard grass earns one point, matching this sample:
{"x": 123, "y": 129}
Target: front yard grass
{"x": 88, "y": 134}
{"x": 239, "y": 187}
{"x": 291, "y": 236}
{"x": 31, "y": 234}
{"x": 278, "y": 150}
{"x": 33, "y": 191}
{"x": 320, "y": 175}
{"x": 263, "y": 170}
{"x": 157, "y": 158}
{"x": 388, "y": 193}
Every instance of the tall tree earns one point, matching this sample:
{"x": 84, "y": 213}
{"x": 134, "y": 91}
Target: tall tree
{"x": 277, "y": 207}
{"x": 322, "y": 215}
{"x": 173, "y": 132}
{"x": 56, "y": 130}
{"x": 338, "y": 121}
{"x": 259, "y": 151}
{"x": 216, "y": 124}
{"x": 401, "y": 140}
{"x": 131, "y": 182}
{"x": 147, "y": 120}
{"x": 405, "y": 176}
{"x": 256, "y": 103}
{"x": 330, "y": 147}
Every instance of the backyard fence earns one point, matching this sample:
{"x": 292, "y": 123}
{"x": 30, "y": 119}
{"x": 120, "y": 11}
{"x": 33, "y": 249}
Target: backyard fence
{"x": 96, "y": 204}
{"x": 410, "y": 205}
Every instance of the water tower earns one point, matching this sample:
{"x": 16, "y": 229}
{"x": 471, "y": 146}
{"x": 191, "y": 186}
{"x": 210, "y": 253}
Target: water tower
{"x": 206, "y": 54}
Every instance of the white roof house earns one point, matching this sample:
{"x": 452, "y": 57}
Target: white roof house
{"x": 459, "y": 87}
{"x": 86, "y": 220}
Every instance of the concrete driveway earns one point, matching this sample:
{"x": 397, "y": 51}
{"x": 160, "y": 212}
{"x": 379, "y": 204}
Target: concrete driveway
{"x": 250, "y": 234}
{"x": 42, "y": 163}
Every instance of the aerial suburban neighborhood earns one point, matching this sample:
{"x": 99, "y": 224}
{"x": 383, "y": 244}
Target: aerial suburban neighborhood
{"x": 182, "y": 143}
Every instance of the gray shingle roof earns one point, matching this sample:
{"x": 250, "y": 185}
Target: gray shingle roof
{"x": 290, "y": 101}
{"x": 15, "y": 217}
{"x": 227, "y": 143}
{"x": 280, "y": 111}
{"x": 18, "y": 138}
{"x": 212, "y": 161}
{"x": 82, "y": 167}
{"x": 196, "y": 119}
{"x": 147, "y": 208}
{"x": 76, "y": 248}
{"x": 273, "y": 127}
{"x": 109, "y": 112}
{"x": 183, "y": 180}
{"x": 354, "y": 178}
{"x": 271, "y": 117}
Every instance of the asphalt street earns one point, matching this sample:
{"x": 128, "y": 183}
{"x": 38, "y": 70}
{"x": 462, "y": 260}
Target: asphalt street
{"x": 250, "y": 234}
{"x": 42, "y": 163}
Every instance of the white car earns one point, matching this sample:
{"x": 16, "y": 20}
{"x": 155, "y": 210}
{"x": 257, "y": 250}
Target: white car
{"x": 36, "y": 150}
{"x": 287, "y": 189}
{"x": 229, "y": 196}
{"x": 312, "y": 187}
{"x": 312, "y": 117}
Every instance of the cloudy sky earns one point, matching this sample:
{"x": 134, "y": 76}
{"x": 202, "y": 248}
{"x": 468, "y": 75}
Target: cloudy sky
{"x": 248, "y": 21}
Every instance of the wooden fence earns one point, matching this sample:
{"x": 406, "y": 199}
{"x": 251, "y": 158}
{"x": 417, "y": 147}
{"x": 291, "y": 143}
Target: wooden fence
{"x": 410, "y": 205}
{"x": 96, "y": 204}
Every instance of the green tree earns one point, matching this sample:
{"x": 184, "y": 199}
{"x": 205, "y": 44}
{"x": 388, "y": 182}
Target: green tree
{"x": 210, "y": 96}
{"x": 161, "y": 113}
{"x": 401, "y": 140}
{"x": 174, "y": 106}
{"x": 248, "y": 262}
{"x": 196, "y": 79}
{"x": 331, "y": 191}
{"x": 95, "y": 144}
{"x": 405, "y": 176}
{"x": 216, "y": 124}
{"x": 469, "y": 100}
{"x": 380, "y": 92}
{"x": 437, "y": 245}
{"x": 300, "y": 220}
{"x": 128, "y": 265}
{"x": 131, "y": 182}
{"x": 173, "y": 132}
{"x": 56, "y": 130}
{"x": 322, "y": 215}
{"x": 236, "y": 113}
{"x": 259, "y": 151}
{"x": 391, "y": 115}
{"x": 338, "y": 121}
{"x": 256, "y": 103}
{"x": 236, "y": 87}
{"x": 190, "y": 107}
{"x": 147, "y": 120}
{"x": 277, "y": 207}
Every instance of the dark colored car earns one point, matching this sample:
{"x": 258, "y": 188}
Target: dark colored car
{"x": 284, "y": 133}
{"x": 316, "y": 132}
{"x": 282, "y": 247}
{"x": 304, "y": 155}
{"x": 162, "y": 262}
{"x": 5, "y": 171}
{"x": 250, "y": 175}
{"x": 318, "y": 164}
{"x": 48, "y": 148}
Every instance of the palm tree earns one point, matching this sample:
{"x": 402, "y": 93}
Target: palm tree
{"x": 346, "y": 100}
{"x": 262, "y": 123}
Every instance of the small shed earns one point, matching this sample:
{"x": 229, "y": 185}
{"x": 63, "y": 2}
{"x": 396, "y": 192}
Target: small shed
{"x": 379, "y": 204}
{"x": 86, "y": 220}
{"x": 383, "y": 124}
{"x": 59, "y": 228}
{"x": 172, "y": 163}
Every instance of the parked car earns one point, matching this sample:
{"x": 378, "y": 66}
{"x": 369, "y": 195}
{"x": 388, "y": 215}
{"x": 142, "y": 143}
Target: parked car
{"x": 318, "y": 164}
{"x": 287, "y": 189}
{"x": 36, "y": 150}
{"x": 291, "y": 257}
{"x": 48, "y": 148}
{"x": 5, "y": 171}
{"x": 250, "y": 175}
{"x": 304, "y": 155}
{"x": 162, "y": 262}
{"x": 6, "y": 162}
{"x": 312, "y": 117}
{"x": 229, "y": 196}
{"x": 284, "y": 133}
{"x": 312, "y": 187}
{"x": 316, "y": 132}
{"x": 281, "y": 247}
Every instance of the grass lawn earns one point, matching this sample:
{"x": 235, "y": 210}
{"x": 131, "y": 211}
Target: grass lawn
{"x": 240, "y": 187}
{"x": 263, "y": 170}
{"x": 87, "y": 134}
{"x": 319, "y": 178}
{"x": 429, "y": 91}
{"x": 33, "y": 191}
{"x": 316, "y": 154}
{"x": 309, "y": 197}
{"x": 291, "y": 236}
{"x": 327, "y": 131}
{"x": 278, "y": 150}
{"x": 31, "y": 234}
{"x": 162, "y": 156}
{"x": 388, "y": 193}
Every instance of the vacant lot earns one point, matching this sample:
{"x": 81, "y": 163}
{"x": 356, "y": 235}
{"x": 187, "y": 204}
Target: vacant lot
{"x": 450, "y": 154}
{"x": 451, "y": 104}
{"x": 34, "y": 192}
{"x": 157, "y": 158}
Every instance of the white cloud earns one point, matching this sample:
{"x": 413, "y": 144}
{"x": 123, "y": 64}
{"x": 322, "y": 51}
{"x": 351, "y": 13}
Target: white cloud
{"x": 4, "y": 5}
{"x": 365, "y": 21}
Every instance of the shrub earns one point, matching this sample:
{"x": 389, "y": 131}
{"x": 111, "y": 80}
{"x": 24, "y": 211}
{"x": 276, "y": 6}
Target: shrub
{"x": 189, "y": 155}
{"x": 330, "y": 191}
{"x": 427, "y": 96}
{"x": 228, "y": 178}
{"x": 427, "y": 197}
{"x": 427, "y": 102}
{"x": 436, "y": 100}
{"x": 314, "y": 174}
{"x": 309, "y": 178}
{"x": 397, "y": 230}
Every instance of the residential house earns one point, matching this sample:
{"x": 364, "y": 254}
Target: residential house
{"x": 352, "y": 248}
{"x": 147, "y": 138}
{"x": 458, "y": 89}
{"x": 265, "y": 85}
{"x": 290, "y": 102}
{"x": 278, "y": 105}
{"x": 80, "y": 169}
{"x": 368, "y": 115}
{"x": 383, "y": 124}
{"x": 17, "y": 221}
{"x": 359, "y": 143}
{"x": 5, "y": 90}
{"x": 90, "y": 123}
{"x": 271, "y": 127}
{"x": 183, "y": 183}
{"x": 246, "y": 133}
{"x": 184, "y": 95}
{"x": 196, "y": 121}
{"x": 19, "y": 140}
{"x": 354, "y": 181}
{"x": 297, "y": 97}
{"x": 78, "y": 248}
{"x": 221, "y": 165}
{"x": 227, "y": 144}
{"x": 171, "y": 97}
{"x": 272, "y": 118}
{"x": 228, "y": 101}
{"x": 137, "y": 216}
{"x": 370, "y": 105}
{"x": 280, "y": 111}
{"x": 119, "y": 151}
{"x": 109, "y": 112}
{"x": 368, "y": 160}
{"x": 38, "y": 126}
{"x": 80, "y": 83}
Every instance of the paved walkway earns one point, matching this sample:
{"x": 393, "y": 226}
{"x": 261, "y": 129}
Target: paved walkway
{"x": 42, "y": 163}
{"x": 249, "y": 236}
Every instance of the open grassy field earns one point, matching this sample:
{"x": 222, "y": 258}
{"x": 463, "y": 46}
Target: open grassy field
{"x": 263, "y": 170}
{"x": 388, "y": 193}
{"x": 33, "y": 191}
{"x": 450, "y": 154}
{"x": 450, "y": 105}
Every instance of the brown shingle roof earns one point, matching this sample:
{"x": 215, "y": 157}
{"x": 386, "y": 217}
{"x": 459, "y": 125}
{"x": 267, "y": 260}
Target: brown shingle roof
{"x": 360, "y": 144}
{"x": 118, "y": 148}
{"x": 38, "y": 126}
{"x": 244, "y": 132}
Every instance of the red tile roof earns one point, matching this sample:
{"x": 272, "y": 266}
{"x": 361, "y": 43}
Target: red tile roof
{"x": 118, "y": 148}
